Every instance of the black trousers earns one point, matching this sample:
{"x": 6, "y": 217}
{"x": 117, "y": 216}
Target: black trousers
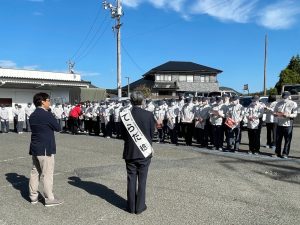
{"x": 137, "y": 172}
{"x": 218, "y": 136}
{"x": 173, "y": 135}
{"x": 118, "y": 126}
{"x": 188, "y": 133}
{"x": 287, "y": 134}
{"x": 254, "y": 140}
{"x": 271, "y": 134}
{"x": 27, "y": 124}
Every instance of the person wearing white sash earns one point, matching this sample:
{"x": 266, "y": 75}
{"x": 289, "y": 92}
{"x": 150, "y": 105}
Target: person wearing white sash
{"x": 137, "y": 131}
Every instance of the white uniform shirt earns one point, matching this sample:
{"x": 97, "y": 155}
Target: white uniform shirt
{"x": 253, "y": 113}
{"x": 21, "y": 114}
{"x": 187, "y": 113}
{"x": 29, "y": 110}
{"x": 216, "y": 114}
{"x": 58, "y": 112}
{"x": 269, "y": 112}
{"x": 289, "y": 108}
{"x": 4, "y": 114}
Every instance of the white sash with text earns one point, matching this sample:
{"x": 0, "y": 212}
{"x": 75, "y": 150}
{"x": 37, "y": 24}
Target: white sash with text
{"x": 135, "y": 133}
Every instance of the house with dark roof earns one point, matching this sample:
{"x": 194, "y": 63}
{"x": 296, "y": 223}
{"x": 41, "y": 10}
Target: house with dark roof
{"x": 176, "y": 77}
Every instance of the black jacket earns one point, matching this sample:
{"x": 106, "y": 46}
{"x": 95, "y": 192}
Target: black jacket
{"x": 146, "y": 122}
{"x": 42, "y": 124}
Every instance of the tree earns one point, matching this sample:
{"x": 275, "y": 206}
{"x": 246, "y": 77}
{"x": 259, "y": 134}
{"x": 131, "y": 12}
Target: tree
{"x": 145, "y": 90}
{"x": 272, "y": 91}
{"x": 295, "y": 64}
{"x": 290, "y": 75}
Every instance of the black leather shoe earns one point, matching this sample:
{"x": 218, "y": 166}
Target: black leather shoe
{"x": 139, "y": 212}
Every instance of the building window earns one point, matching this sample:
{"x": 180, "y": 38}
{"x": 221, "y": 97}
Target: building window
{"x": 201, "y": 78}
{"x": 206, "y": 79}
{"x": 189, "y": 78}
{"x": 186, "y": 78}
{"x": 160, "y": 77}
{"x": 6, "y": 101}
{"x": 182, "y": 78}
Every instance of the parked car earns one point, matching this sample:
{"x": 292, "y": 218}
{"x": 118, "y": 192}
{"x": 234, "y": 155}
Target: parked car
{"x": 245, "y": 101}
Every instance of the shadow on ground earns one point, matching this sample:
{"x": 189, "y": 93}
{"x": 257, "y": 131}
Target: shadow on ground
{"x": 20, "y": 183}
{"x": 99, "y": 190}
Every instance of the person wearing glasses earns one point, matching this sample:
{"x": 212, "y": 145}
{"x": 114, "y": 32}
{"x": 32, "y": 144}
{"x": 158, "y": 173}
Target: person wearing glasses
{"x": 42, "y": 148}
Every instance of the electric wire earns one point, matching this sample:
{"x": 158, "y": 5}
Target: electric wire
{"x": 131, "y": 58}
{"x": 93, "y": 43}
{"x": 87, "y": 34}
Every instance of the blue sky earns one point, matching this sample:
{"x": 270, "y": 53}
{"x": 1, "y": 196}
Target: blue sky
{"x": 223, "y": 34}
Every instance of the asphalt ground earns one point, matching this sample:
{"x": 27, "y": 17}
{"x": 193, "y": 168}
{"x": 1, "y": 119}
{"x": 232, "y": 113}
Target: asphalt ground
{"x": 186, "y": 185}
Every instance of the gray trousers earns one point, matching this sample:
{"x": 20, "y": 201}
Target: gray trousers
{"x": 43, "y": 167}
{"x": 5, "y": 126}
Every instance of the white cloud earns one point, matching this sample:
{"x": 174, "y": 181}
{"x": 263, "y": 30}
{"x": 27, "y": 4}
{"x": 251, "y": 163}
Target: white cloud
{"x": 281, "y": 15}
{"x": 88, "y": 74}
{"x": 7, "y": 64}
{"x": 131, "y": 3}
{"x": 176, "y": 5}
{"x": 33, "y": 67}
{"x": 239, "y": 11}
{"x": 12, "y": 65}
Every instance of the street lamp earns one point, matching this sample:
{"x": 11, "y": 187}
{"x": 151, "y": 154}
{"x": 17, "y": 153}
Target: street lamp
{"x": 128, "y": 89}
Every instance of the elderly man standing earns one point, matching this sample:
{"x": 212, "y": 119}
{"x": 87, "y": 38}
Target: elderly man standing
{"x": 285, "y": 111}
{"x": 138, "y": 128}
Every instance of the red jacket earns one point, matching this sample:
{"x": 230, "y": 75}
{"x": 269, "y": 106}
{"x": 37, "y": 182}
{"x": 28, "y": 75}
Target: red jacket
{"x": 75, "y": 112}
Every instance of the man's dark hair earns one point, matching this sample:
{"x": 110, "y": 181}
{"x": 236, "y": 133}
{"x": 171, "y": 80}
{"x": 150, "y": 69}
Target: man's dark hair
{"x": 39, "y": 97}
{"x": 136, "y": 98}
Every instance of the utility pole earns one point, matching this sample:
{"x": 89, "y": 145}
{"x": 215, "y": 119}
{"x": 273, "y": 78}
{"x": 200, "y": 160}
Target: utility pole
{"x": 116, "y": 13}
{"x": 71, "y": 66}
{"x": 265, "y": 65}
{"x": 128, "y": 88}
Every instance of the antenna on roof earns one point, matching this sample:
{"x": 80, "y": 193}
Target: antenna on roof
{"x": 71, "y": 66}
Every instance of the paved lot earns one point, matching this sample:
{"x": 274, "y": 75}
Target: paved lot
{"x": 186, "y": 185}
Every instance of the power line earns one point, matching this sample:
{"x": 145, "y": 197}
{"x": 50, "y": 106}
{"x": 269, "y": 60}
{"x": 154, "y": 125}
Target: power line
{"x": 88, "y": 33}
{"x": 132, "y": 60}
{"x": 93, "y": 43}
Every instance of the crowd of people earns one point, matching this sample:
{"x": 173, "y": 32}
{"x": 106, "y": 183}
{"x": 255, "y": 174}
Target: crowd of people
{"x": 210, "y": 122}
